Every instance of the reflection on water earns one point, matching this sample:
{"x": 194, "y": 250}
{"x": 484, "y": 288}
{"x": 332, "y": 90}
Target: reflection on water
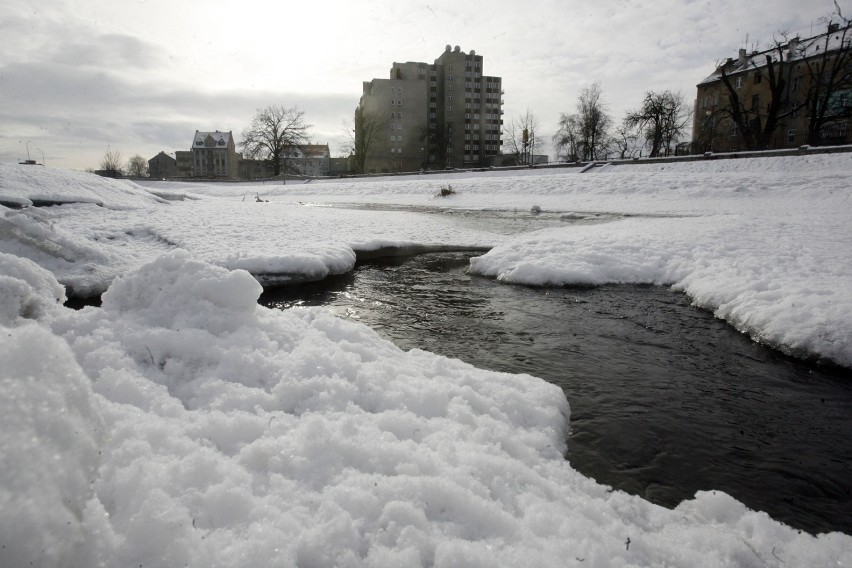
{"x": 665, "y": 399}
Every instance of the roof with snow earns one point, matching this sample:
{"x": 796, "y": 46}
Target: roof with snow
{"x": 794, "y": 49}
{"x": 208, "y": 139}
{"x": 309, "y": 151}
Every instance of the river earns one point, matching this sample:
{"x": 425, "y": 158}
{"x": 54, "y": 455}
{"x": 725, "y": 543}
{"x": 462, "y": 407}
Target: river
{"x": 665, "y": 399}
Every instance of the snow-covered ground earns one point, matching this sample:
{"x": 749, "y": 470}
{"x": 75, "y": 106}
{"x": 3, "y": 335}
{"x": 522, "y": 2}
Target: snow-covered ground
{"x": 182, "y": 424}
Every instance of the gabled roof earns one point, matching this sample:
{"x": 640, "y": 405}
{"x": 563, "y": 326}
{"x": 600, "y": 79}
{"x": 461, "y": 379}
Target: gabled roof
{"x": 795, "y": 49}
{"x": 211, "y": 139}
{"x": 309, "y": 151}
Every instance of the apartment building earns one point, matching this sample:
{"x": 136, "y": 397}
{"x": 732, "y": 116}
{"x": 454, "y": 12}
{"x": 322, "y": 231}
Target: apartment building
{"x": 804, "y": 89}
{"x": 214, "y": 155}
{"x": 447, "y": 114}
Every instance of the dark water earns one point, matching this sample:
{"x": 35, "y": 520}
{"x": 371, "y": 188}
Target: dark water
{"x": 665, "y": 399}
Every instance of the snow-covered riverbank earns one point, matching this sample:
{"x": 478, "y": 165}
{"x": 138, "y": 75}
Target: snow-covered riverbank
{"x": 182, "y": 424}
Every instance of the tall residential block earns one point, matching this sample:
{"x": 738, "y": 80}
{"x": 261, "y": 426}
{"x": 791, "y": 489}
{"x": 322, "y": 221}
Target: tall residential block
{"x": 447, "y": 114}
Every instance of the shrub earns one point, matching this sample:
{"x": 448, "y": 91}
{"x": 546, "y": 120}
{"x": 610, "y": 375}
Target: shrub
{"x": 446, "y": 191}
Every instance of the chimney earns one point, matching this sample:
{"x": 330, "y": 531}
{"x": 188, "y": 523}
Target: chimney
{"x": 741, "y": 58}
{"x": 832, "y": 27}
{"x": 792, "y": 48}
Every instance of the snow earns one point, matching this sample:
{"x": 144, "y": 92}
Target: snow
{"x": 183, "y": 424}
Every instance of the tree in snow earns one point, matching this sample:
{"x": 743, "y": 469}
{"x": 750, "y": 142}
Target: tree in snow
{"x": 757, "y": 118}
{"x": 366, "y": 130}
{"x": 828, "y": 67}
{"x": 625, "y": 141}
{"x": 520, "y": 138}
{"x": 275, "y": 130}
{"x": 137, "y": 166}
{"x": 111, "y": 163}
{"x": 662, "y": 119}
{"x": 584, "y": 135}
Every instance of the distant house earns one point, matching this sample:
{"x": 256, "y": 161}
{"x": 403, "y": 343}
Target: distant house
{"x": 341, "y": 166}
{"x": 162, "y": 166}
{"x": 183, "y": 163}
{"x": 214, "y": 155}
{"x": 254, "y": 169}
{"x": 310, "y": 160}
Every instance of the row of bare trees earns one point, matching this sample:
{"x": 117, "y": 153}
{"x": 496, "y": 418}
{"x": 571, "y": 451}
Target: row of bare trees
{"x": 590, "y": 134}
{"x": 111, "y": 165}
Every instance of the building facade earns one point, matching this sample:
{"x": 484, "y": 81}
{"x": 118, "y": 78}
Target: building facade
{"x": 162, "y": 166}
{"x": 312, "y": 160}
{"x": 798, "y": 92}
{"x": 214, "y": 155}
{"x": 447, "y": 114}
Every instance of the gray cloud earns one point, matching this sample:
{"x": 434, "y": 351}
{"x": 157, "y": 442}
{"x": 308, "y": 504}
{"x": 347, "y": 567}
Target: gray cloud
{"x": 76, "y": 79}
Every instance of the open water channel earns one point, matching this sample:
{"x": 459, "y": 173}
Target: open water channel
{"x": 665, "y": 399}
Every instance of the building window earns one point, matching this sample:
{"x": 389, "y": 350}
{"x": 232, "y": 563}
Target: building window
{"x": 755, "y": 102}
{"x": 757, "y": 78}
{"x": 796, "y": 81}
{"x": 734, "y": 130}
{"x": 791, "y": 135}
{"x": 738, "y": 82}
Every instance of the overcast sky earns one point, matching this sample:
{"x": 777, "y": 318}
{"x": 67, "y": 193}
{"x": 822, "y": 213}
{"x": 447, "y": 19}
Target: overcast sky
{"x": 140, "y": 76}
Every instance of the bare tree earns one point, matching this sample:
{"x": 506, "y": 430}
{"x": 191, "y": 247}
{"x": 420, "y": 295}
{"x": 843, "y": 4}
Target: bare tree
{"x": 274, "y": 130}
{"x": 754, "y": 120}
{"x": 585, "y": 133}
{"x": 137, "y": 166}
{"x": 662, "y": 119}
{"x": 111, "y": 163}
{"x": 625, "y": 140}
{"x": 828, "y": 61}
{"x": 367, "y": 129}
{"x": 567, "y": 138}
{"x": 520, "y": 138}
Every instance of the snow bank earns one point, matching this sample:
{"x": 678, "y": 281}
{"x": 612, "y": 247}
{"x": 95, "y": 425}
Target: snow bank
{"x": 50, "y": 433}
{"x": 784, "y": 281}
{"x": 25, "y": 184}
{"x": 28, "y": 290}
{"x": 193, "y": 427}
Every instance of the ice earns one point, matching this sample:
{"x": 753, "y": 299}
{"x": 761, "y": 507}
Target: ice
{"x": 182, "y": 424}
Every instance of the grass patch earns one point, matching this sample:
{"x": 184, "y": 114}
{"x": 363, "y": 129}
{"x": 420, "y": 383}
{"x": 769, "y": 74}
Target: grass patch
{"x": 446, "y": 191}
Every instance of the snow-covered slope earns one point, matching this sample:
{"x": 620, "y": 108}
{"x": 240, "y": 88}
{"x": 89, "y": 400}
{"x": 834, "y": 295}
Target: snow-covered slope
{"x": 182, "y": 424}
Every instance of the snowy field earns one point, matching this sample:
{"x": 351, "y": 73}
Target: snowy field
{"x": 182, "y": 424}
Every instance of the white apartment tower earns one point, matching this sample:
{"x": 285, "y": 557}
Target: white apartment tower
{"x": 430, "y": 116}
